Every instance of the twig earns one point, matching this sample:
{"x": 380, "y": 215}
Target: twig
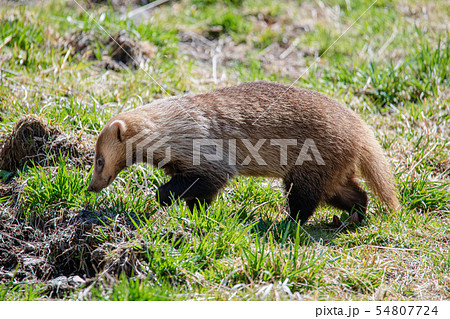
{"x": 289, "y": 50}
{"x": 14, "y": 238}
{"x": 5, "y": 42}
{"x": 201, "y": 38}
{"x": 387, "y": 43}
{"x": 267, "y": 49}
{"x": 386, "y": 247}
{"x": 214, "y": 68}
{"x": 142, "y": 9}
{"x": 9, "y": 71}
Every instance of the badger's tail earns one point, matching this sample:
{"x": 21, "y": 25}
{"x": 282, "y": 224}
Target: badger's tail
{"x": 376, "y": 170}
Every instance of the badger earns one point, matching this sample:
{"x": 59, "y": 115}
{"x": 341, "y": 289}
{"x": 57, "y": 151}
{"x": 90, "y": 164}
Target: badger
{"x": 314, "y": 144}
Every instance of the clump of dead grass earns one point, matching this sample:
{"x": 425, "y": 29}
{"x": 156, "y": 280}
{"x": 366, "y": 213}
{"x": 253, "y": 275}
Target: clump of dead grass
{"x": 32, "y": 141}
{"x": 116, "y": 52}
{"x": 70, "y": 251}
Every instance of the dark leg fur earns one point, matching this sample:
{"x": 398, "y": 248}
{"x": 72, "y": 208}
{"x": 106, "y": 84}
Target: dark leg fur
{"x": 197, "y": 203}
{"x": 352, "y": 199}
{"x": 304, "y": 195}
{"x": 192, "y": 188}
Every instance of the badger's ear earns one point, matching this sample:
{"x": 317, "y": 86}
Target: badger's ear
{"x": 118, "y": 127}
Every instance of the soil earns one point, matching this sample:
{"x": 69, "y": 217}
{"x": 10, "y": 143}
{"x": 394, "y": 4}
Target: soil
{"x": 69, "y": 252}
{"x": 119, "y": 51}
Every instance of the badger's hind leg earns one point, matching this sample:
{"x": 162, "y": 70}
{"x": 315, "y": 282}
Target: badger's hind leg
{"x": 304, "y": 194}
{"x": 195, "y": 189}
{"x": 350, "y": 198}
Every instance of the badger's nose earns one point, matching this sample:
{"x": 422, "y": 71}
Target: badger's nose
{"x": 90, "y": 188}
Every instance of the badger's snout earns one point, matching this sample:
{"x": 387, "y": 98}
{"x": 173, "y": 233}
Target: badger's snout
{"x": 91, "y": 188}
{"x": 97, "y": 184}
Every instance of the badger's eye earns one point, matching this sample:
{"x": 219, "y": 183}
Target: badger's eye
{"x": 100, "y": 162}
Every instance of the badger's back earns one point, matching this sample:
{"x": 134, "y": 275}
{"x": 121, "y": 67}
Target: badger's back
{"x": 270, "y": 111}
{"x": 261, "y": 110}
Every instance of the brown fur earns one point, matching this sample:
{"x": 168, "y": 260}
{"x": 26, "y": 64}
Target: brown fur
{"x": 254, "y": 111}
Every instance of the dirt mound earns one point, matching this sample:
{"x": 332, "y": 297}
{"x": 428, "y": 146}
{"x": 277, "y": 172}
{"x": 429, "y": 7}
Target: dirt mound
{"x": 71, "y": 251}
{"x": 80, "y": 42}
{"x": 32, "y": 141}
{"x": 117, "y": 52}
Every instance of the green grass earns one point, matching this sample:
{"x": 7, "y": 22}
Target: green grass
{"x": 46, "y": 192}
{"x": 392, "y": 67}
{"x": 419, "y": 76}
{"x": 11, "y": 291}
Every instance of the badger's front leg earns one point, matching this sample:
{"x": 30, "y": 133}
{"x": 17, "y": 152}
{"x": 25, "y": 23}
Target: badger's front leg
{"x": 195, "y": 189}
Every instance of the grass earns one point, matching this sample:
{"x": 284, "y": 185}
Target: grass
{"x": 45, "y": 191}
{"x": 24, "y": 292}
{"x": 391, "y": 67}
{"x": 420, "y": 76}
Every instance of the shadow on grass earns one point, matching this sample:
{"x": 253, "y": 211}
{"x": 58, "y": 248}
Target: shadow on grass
{"x": 285, "y": 231}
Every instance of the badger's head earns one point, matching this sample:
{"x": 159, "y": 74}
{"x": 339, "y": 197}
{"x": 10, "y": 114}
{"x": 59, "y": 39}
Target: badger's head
{"x": 110, "y": 154}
